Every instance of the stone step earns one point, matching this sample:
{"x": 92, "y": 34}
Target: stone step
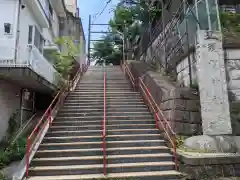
{"x": 91, "y": 82}
{"x": 108, "y": 117}
{"x": 94, "y": 168}
{"x": 64, "y": 139}
{"x": 100, "y": 109}
{"x": 129, "y": 158}
{"x": 153, "y": 175}
{"x": 63, "y": 151}
{"x": 110, "y": 144}
{"x": 100, "y": 114}
{"x": 85, "y": 101}
{"x": 100, "y": 106}
{"x": 100, "y": 95}
{"x": 101, "y": 100}
{"x": 100, "y": 121}
{"x": 84, "y": 89}
{"x": 99, "y": 132}
{"x": 73, "y": 127}
{"x": 96, "y": 93}
{"x": 97, "y": 85}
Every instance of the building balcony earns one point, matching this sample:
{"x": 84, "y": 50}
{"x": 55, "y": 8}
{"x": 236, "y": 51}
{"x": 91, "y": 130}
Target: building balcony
{"x": 59, "y": 7}
{"x": 39, "y": 12}
{"x": 34, "y": 72}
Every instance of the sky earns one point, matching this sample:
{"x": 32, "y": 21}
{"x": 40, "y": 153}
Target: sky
{"x": 92, "y": 7}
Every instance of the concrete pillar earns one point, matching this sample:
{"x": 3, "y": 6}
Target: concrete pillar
{"x": 211, "y": 70}
{"x": 212, "y": 84}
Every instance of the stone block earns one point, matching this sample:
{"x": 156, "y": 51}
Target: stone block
{"x": 211, "y": 172}
{"x": 183, "y": 93}
{"x": 180, "y": 104}
{"x": 195, "y": 117}
{"x": 187, "y": 129}
{"x": 177, "y": 116}
{"x": 193, "y": 105}
{"x": 218, "y": 144}
{"x": 182, "y": 128}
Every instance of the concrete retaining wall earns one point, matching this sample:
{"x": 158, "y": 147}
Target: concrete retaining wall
{"x": 179, "y": 105}
{"x": 9, "y": 103}
{"x": 209, "y": 166}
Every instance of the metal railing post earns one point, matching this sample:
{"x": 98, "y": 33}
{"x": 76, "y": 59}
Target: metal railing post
{"x": 27, "y": 156}
{"x": 104, "y": 127}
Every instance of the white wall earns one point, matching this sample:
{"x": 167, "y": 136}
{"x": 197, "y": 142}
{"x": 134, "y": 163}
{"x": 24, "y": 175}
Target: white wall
{"x": 26, "y": 19}
{"x": 8, "y": 9}
{"x": 55, "y": 23}
{"x": 52, "y": 34}
{"x": 82, "y": 52}
{"x": 9, "y": 103}
{"x": 7, "y": 42}
{"x": 71, "y": 6}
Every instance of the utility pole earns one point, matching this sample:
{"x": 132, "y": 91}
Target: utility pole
{"x": 89, "y": 39}
{"x": 101, "y": 32}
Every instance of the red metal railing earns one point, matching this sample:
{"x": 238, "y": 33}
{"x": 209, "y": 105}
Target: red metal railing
{"x": 158, "y": 114}
{"x": 104, "y": 145}
{"x": 45, "y": 120}
{"x": 127, "y": 70}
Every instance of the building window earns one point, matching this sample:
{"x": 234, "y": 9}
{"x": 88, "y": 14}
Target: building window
{"x": 51, "y": 10}
{"x": 30, "y": 34}
{"x": 7, "y": 28}
{"x": 38, "y": 40}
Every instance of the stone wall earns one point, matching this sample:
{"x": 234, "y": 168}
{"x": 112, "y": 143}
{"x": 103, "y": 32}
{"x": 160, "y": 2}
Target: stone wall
{"x": 232, "y": 58}
{"x": 179, "y": 105}
{"x": 183, "y": 76}
{"x": 232, "y": 63}
{"x": 205, "y": 166}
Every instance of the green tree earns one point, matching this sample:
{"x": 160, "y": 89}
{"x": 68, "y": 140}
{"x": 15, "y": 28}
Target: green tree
{"x": 107, "y": 50}
{"x": 129, "y": 19}
{"x": 64, "y": 60}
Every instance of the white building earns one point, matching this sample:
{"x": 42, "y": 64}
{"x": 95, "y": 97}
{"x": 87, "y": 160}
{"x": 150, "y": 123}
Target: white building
{"x": 71, "y": 6}
{"x": 27, "y": 30}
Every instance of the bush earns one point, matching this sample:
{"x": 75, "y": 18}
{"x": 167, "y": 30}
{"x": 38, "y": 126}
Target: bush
{"x": 15, "y": 152}
{"x": 230, "y": 22}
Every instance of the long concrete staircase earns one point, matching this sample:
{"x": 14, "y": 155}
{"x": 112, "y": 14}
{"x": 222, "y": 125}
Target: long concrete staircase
{"x": 72, "y": 149}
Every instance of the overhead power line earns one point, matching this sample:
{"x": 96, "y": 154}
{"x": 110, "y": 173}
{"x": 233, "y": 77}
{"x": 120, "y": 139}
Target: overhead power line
{"x": 104, "y": 8}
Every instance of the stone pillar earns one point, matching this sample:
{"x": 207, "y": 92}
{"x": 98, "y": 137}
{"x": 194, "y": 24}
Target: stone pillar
{"x": 212, "y": 84}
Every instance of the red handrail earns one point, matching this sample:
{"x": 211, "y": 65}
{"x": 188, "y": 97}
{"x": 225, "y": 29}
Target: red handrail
{"x": 45, "y": 120}
{"x": 104, "y": 128}
{"x": 158, "y": 115}
{"x": 130, "y": 76}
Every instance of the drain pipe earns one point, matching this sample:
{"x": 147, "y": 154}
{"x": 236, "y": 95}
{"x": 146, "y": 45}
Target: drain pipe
{"x": 17, "y": 30}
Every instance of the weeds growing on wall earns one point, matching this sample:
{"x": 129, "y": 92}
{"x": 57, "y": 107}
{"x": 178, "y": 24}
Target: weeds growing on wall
{"x": 230, "y": 22}
{"x": 9, "y": 151}
{"x": 2, "y": 176}
{"x": 14, "y": 152}
{"x": 180, "y": 141}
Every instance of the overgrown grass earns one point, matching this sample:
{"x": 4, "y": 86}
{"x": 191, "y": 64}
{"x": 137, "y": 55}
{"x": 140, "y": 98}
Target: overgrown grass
{"x": 180, "y": 141}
